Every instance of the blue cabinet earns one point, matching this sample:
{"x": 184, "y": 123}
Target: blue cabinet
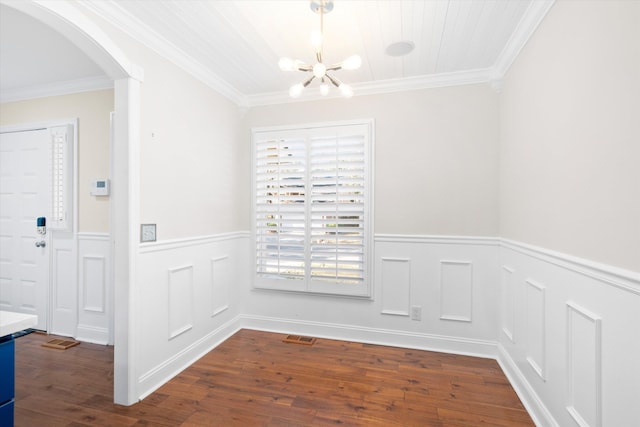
{"x": 7, "y": 380}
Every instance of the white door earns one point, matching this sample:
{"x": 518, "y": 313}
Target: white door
{"x": 24, "y": 197}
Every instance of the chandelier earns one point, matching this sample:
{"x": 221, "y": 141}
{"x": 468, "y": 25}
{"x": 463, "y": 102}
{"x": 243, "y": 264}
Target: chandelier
{"x": 320, "y": 70}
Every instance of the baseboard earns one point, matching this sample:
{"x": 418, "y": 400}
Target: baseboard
{"x": 393, "y": 338}
{"x": 92, "y": 334}
{"x": 161, "y": 374}
{"x": 534, "y": 406}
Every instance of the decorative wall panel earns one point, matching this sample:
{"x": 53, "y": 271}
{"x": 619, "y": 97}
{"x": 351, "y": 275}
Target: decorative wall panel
{"x": 93, "y": 283}
{"x": 220, "y": 279}
{"x": 583, "y": 366}
{"x": 456, "y": 290}
{"x": 508, "y": 303}
{"x": 396, "y": 286}
{"x": 180, "y": 300}
{"x": 535, "y": 327}
{"x": 95, "y": 289}
{"x": 63, "y": 278}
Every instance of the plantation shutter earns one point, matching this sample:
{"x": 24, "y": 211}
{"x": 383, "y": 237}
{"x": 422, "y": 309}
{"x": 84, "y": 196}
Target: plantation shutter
{"x": 280, "y": 207}
{"x": 61, "y": 178}
{"x": 311, "y": 205}
{"x": 337, "y": 185}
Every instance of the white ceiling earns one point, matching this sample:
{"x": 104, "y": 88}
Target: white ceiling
{"x": 234, "y": 46}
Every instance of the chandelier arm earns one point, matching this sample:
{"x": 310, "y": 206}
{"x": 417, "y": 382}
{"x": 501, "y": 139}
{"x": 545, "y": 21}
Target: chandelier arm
{"x": 334, "y": 81}
{"x": 305, "y": 84}
{"x": 335, "y": 67}
{"x": 305, "y": 67}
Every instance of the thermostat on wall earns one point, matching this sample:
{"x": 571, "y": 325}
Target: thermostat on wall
{"x": 100, "y": 187}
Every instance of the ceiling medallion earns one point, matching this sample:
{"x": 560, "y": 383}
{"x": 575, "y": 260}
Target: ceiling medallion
{"x": 320, "y": 70}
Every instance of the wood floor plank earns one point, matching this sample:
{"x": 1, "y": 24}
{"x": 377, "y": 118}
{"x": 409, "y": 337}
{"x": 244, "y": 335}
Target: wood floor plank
{"x": 254, "y": 379}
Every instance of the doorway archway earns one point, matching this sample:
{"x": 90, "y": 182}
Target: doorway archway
{"x": 95, "y": 43}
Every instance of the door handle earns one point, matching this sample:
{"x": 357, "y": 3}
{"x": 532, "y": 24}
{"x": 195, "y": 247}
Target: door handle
{"x": 41, "y": 244}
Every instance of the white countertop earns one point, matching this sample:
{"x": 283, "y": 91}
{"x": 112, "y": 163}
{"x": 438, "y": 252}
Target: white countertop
{"x": 11, "y": 322}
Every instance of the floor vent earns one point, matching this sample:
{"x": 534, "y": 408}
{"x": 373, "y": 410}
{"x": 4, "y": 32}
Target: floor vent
{"x": 297, "y": 339}
{"x": 61, "y": 344}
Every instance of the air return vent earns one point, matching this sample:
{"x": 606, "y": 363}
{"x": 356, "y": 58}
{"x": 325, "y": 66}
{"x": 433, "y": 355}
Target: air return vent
{"x": 61, "y": 344}
{"x": 297, "y": 339}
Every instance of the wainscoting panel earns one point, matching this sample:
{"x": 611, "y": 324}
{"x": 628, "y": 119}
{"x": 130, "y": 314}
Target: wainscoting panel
{"x": 65, "y": 286}
{"x": 180, "y": 300}
{"x": 95, "y": 291}
{"x": 396, "y": 286}
{"x": 94, "y": 272}
{"x": 191, "y": 293}
{"x": 565, "y": 341}
{"x": 63, "y": 296}
{"x": 508, "y": 303}
{"x": 406, "y": 306}
{"x": 220, "y": 279}
{"x": 574, "y": 360}
{"x": 456, "y": 290}
{"x": 584, "y": 348}
{"x": 535, "y": 327}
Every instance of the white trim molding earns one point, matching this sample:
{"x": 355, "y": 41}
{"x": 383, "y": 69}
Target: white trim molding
{"x": 87, "y": 84}
{"x": 138, "y": 30}
{"x": 530, "y": 21}
{"x": 623, "y": 279}
{"x": 167, "y": 245}
{"x": 387, "y": 337}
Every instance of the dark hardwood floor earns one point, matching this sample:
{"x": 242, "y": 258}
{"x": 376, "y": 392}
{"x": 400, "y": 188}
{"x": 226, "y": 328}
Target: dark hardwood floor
{"x": 254, "y": 379}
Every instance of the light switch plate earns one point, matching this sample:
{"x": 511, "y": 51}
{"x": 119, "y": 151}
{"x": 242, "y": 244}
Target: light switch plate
{"x": 147, "y": 233}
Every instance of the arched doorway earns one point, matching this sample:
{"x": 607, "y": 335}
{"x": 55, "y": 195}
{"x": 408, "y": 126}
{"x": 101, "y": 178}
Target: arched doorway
{"x": 127, "y": 77}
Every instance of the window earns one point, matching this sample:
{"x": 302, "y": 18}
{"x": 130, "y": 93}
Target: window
{"x": 312, "y": 201}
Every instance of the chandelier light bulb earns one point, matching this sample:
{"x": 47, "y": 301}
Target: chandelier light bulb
{"x": 296, "y": 90}
{"x": 319, "y": 70}
{"x": 346, "y": 90}
{"x": 288, "y": 64}
{"x": 352, "y": 63}
{"x": 324, "y": 89}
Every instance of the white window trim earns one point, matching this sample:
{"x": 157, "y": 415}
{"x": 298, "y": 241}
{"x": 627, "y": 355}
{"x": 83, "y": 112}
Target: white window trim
{"x": 365, "y": 290}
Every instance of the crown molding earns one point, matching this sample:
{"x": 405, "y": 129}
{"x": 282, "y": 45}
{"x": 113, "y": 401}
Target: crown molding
{"x": 138, "y": 30}
{"x": 379, "y": 87}
{"x": 528, "y": 24}
{"x": 88, "y": 84}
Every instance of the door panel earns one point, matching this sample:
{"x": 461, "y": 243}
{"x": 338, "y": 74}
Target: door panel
{"x": 24, "y": 185}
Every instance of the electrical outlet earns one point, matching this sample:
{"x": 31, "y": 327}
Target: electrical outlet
{"x": 416, "y": 312}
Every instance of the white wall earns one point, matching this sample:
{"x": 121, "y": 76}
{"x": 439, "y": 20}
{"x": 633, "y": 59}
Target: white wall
{"x": 189, "y": 154}
{"x": 436, "y": 169}
{"x": 570, "y": 139}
